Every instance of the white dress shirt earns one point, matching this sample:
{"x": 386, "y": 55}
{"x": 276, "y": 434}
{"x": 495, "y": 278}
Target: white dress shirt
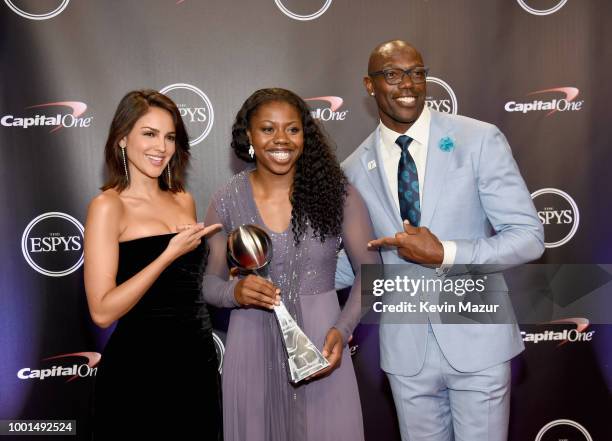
{"x": 390, "y": 153}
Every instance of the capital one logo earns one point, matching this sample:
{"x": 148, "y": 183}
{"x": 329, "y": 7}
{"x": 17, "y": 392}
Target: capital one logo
{"x": 559, "y": 214}
{"x": 563, "y": 430}
{"x": 571, "y": 335}
{"x": 41, "y": 13}
{"x": 52, "y": 244}
{"x": 67, "y": 368}
{"x": 563, "y": 100}
{"x": 440, "y": 96}
{"x": 541, "y": 7}
{"x": 60, "y": 114}
{"x": 195, "y": 108}
{"x": 302, "y": 16}
{"x": 330, "y": 112}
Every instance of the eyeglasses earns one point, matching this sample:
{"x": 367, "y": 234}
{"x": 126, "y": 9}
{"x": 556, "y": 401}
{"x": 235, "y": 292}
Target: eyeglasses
{"x": 395, "y": 76}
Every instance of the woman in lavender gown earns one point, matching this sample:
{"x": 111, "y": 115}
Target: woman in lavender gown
{"x": 299, "y": 195}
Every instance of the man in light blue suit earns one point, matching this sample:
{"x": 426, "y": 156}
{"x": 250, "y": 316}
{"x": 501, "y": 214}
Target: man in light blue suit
{"x": 443, "y": 192}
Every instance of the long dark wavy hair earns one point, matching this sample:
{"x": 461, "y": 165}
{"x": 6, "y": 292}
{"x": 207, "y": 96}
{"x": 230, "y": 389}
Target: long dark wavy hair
{"x": 130, "y": 109}
{"x": 319, "y": 186}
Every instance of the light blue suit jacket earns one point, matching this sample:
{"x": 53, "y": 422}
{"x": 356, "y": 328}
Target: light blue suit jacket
{"x": 474, "y": 195}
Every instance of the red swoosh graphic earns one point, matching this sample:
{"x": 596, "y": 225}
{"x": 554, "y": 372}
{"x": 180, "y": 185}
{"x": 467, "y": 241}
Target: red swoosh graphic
{"x": 78, "y": 108}
{"x": 93, "y": 358}
{"x": 580, "y": 322}
{"x": 335, "y": 102}
{"x": 570, "y": 94}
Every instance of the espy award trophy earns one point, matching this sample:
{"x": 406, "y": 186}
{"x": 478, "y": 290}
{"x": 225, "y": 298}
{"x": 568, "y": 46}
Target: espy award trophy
{"x": 250, "y": 249}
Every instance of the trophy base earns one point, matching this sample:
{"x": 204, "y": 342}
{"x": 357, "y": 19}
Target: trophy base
{"x": 303, "y": 357}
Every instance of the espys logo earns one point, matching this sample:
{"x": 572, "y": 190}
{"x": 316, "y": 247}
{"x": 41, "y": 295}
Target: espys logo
{"x": 558, "y": 213}
{"x": 41, "y": 12}
{"x": 561, "y": 430}
{"x": 302, "y": 16}
{"x": 330, "y": 113}
{"x": 440, "y": 96}
{"x": 544, "y": 7}
{"x": 58, "y": 120}
{"x": 565, "y": 104}
{"x": 52, "y": 244}
{"x": 572, "y": 335}
{"x": 220, "y": 349}
{"x": 67, "y": 369}
{"x": 195, "y": 108}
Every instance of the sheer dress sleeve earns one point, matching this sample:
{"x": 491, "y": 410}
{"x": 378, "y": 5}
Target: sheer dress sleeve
{"x": 357, "y": 231}
{"x": 218, "y": 290}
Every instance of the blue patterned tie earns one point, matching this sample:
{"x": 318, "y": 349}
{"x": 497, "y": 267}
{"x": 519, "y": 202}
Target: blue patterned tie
{"x": 408, "y": 183}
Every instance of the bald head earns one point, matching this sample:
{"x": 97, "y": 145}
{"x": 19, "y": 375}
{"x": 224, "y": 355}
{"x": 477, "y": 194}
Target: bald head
{"x": 384, "y": 50}
{"x": 401, "y": 98}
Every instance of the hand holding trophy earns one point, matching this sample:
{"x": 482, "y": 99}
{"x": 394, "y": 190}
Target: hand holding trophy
{"x": 249, "y": 248}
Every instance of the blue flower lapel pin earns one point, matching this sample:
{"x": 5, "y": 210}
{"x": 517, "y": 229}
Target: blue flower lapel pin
{"x": 446, "y": 144}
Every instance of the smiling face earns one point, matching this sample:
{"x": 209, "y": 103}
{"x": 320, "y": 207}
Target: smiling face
{"x": 277, "y": 135}
{"x": 399, "y": 105}
{"x": 151, "y": 143}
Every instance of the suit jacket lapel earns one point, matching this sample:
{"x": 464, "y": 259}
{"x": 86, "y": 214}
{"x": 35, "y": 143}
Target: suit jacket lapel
{"x": 435, "y": 169}
{"x": 374, "y": 169}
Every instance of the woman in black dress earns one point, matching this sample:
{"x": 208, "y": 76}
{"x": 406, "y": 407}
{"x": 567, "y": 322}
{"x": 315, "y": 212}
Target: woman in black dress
{"x": 144, "y": 257}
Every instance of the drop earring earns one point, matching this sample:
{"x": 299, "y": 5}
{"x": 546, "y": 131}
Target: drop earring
{"x": 251, "y": 151}
{"x": 125, "y": 169}
{"x": 169, "y": 177}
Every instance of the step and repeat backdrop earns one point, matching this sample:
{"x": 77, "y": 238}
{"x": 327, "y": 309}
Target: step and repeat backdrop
{"x": 538, "y": 69}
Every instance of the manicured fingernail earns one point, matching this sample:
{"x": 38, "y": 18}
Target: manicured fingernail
{"x": 277, "y": 291}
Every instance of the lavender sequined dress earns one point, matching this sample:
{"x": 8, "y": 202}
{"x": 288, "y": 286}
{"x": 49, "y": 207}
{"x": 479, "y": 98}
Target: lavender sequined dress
{"x": 259, "y": 402}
